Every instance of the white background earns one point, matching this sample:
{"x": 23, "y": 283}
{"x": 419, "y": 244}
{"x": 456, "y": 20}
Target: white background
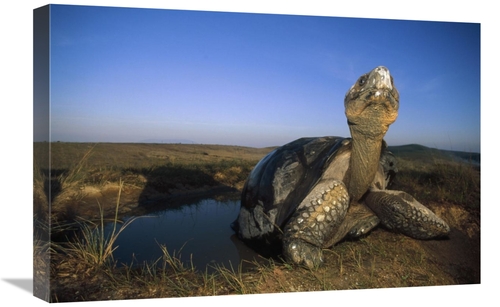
{"x": 16, "y": 153}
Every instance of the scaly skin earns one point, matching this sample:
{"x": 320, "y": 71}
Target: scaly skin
{"x": 322, "y": 219}
{"x": 315, "y": 220}
{"x": 371, "y": 105}
{"x": 348, "y": 200}
{"x": 402, "y": 213}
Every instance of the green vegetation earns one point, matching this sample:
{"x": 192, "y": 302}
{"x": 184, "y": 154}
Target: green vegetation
{"x": 96, "y": 184}
{"x": 441, "y": 182}
{"x": 93, "y": 248}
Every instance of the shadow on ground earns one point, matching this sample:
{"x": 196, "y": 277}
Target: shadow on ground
{"x": 25, "y": 284}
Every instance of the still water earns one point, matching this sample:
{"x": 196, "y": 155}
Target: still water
{"x": 199, "y": 231}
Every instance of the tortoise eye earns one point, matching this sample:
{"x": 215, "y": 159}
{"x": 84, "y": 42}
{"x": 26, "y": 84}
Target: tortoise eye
{"x": 362, "y": 81}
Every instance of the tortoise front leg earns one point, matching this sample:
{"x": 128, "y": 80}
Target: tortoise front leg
{"x": 314, "y": 223}
{"x": 402, "y": 213}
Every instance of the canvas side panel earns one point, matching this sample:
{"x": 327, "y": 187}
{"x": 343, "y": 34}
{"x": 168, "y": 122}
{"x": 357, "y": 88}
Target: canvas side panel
{"x": 41, "y": 153}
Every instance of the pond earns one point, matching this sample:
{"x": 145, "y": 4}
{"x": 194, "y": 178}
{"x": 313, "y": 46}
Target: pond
{"x": 198, "y": 231}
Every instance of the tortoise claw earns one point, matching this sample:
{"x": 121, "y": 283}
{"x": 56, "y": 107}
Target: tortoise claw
{"x": 303, "y": 253}
{"x": 363, "y": 226}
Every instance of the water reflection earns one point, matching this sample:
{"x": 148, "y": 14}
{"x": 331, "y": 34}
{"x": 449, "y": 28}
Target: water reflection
{"x": 199, "y": 231}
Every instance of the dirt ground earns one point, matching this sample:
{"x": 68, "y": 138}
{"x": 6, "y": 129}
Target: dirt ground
{"x": 381, "y": 259}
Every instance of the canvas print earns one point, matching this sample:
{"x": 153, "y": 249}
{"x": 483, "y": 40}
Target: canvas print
{"x": 192, "y": 153}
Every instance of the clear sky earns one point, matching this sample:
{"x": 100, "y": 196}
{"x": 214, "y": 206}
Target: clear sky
{"x": 17, "y": 129}
{"x": 136, "y": 75}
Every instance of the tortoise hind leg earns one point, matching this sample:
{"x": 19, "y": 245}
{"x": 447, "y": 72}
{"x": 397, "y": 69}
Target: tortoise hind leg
{"x": 402, "y": 213}
{"x": 359, "y": 221}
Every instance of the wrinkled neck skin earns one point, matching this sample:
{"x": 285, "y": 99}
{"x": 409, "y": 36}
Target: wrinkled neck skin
{"x": 371, "y": 106}
{"x": 364, "y": 161}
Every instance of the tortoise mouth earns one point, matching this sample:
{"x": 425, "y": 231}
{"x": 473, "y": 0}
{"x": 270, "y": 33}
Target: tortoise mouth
{"x": 372, "y": 102}
{"x": 375, "y": 97}
{"x": 373, "y": 94}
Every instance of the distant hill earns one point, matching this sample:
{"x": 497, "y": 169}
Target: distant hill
{"x": 416, "y": 151}
{"x": 168, "y": 141}
{"x": 470, "y": 157}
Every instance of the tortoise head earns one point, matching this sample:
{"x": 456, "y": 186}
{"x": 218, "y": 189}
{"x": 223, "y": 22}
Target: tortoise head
{"x": 371, "y": 106}
{"x": 372, "y": 103}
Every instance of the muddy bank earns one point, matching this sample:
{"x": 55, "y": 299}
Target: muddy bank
{"x": 86, "y": 202}
{"x": 381, "y": 259}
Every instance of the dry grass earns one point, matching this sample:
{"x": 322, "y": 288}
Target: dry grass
{"x": 440, "y": 181}
{"x": 41, "y": 268}
{"x": 93, "y": 248}
{"x": 80, "y": 172}
{"x": 84, "y": 269}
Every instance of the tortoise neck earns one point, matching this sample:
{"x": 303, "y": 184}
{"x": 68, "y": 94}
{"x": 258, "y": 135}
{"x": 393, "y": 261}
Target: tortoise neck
{"x": 363, "y": 164}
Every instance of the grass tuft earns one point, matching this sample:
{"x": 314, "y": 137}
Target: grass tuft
{"x": 84, "y": 268}
{"x": 439, "y": 181}
{"x": 93, "y": 248}
{"x": 233, "y": 278}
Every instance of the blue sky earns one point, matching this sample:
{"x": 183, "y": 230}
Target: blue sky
{"x": 17, "y": 119}
{"x": 132, "y": 75}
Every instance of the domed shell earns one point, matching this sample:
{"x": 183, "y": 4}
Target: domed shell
{"x": 286, "y": 175}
